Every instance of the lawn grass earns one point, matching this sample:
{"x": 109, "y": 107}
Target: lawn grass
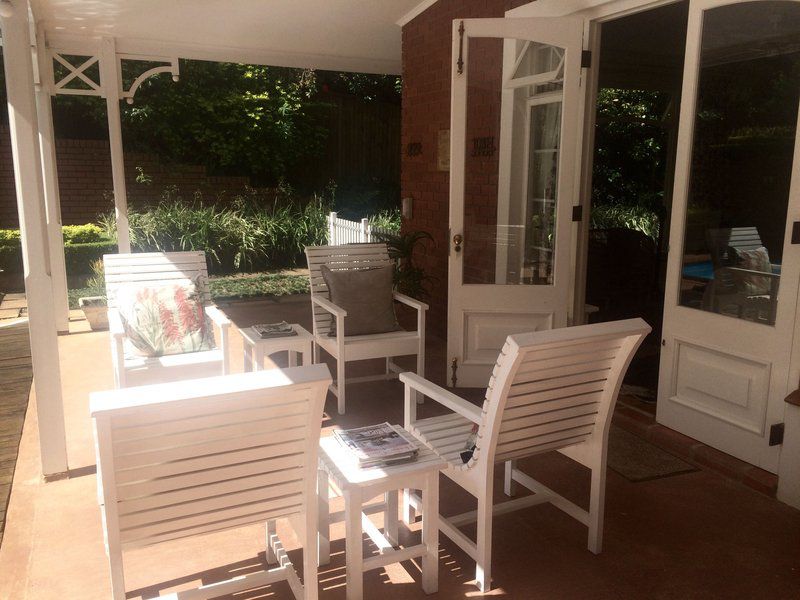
{"x": 235, "y": 287}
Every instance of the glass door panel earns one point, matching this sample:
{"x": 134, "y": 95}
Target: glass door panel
{"x": 744, "y": 136}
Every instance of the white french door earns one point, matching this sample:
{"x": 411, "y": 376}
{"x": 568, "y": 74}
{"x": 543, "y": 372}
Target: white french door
{"x": 513, "y": 150}
{"x": 732, "y": 279}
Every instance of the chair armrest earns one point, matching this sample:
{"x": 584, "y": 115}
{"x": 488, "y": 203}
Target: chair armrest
{"x": 329, "y": 306}
{"x": 219, "y": 318}
{"x": 455, "y": 403}
{"x": 740, "y": 270}
{"x": 115, "y": 327}
{"x": 409, "y": 301}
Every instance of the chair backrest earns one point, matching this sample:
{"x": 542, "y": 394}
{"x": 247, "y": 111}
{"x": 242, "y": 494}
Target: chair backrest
{"x": 154, "y": 269}
{"x": 738, "y": 238}
{"x": 192, "y": 457}
{"x": 344, "y": 257}
{"x": 556, "y": 388}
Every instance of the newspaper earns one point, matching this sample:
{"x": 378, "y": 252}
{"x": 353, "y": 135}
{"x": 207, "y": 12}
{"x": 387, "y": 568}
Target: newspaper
{"x": 272, "y": 330}
{"x": 378, "y": 445}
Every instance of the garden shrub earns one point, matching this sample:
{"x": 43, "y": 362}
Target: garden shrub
{"x": 9, "y": 237}
{"x": 83, "y": 234}
{"x": 79, "y": 257}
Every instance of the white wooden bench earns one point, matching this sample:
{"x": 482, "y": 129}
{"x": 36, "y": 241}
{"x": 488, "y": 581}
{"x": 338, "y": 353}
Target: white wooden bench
{"x": 550, "y": 390}
{"x": 155, "y": 269}
{"x": 188, "y": 458}
{"x": 329, "y": 318}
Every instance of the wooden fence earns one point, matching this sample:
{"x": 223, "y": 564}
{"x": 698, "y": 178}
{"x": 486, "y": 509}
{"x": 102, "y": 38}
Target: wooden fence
{"x": 342, "y": 231}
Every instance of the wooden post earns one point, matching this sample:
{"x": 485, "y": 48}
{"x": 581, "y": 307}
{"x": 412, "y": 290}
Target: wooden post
{"x": 332, "y": 229}
{"x": 52, "y": 201}
{"x": 364, "y": 237}
{"x": 110, "y": 81}
{"x": 30, "y": 202}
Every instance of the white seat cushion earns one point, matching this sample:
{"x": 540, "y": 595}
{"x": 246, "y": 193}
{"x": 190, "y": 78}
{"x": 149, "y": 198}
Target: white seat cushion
{"x": 377, "y": 345}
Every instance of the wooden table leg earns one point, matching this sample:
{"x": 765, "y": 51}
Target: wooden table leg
{"x": 248, "y": 357}
{"x": 292, "y": 358}
{"x": 430, "y": 534}
{"x": 354, "y": 546}
{"x": 324, "y": 534}
{"x": 259, "y": 358}
{"x": 390, "y": 517}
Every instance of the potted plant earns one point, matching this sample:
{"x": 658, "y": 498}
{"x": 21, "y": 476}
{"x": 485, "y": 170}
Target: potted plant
{"x": 95, "y": 306}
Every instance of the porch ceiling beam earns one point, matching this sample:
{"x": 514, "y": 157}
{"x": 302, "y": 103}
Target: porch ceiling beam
{"x": 219, "y": 53}
{"x": 23, "y": 127}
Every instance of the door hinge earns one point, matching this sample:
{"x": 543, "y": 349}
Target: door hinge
{"x": 454, "y": 369}
{"x": 586, "y": 59}
{"x": 577, "y": 213}
{"x": 776, "y": 434}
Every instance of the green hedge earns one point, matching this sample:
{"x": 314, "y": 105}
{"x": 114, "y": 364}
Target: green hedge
{"x": 78, "y": 257}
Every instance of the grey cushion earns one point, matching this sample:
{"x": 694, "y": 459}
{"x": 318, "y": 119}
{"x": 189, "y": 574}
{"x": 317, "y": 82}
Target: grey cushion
{"x": 366, "y": 295}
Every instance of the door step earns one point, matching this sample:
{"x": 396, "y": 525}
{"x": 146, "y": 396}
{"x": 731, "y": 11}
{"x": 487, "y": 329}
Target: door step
{"x": 639, "y": 420}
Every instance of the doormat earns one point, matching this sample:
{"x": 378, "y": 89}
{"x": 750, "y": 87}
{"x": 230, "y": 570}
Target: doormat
{"x": 638, "y": 460}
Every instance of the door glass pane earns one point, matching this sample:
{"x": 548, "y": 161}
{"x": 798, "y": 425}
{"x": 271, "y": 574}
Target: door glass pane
{"x": 513, "y": 138}
{"x": 744, "y": 134}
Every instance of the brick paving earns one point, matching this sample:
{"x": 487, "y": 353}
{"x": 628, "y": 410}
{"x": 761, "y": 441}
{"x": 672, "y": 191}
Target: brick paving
{"x": 16, "y": 375}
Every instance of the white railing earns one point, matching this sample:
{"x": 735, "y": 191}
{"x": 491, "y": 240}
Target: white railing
{"x": 342, "y": 231}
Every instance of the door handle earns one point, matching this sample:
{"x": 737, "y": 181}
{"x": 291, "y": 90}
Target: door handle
{"x": 457, "y": 241}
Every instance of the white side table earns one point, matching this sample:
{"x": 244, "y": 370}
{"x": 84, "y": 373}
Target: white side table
{"x": 255, "y": 347}
{"x": 361, "y": 485}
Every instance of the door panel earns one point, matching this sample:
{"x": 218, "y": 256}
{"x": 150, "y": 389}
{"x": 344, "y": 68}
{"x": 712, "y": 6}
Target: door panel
{"x": 512, "y": 183}
{"x": 732, "y": 279}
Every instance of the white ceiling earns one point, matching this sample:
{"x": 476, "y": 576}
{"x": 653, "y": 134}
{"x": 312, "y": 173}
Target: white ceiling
{"x": 354, "y": 35}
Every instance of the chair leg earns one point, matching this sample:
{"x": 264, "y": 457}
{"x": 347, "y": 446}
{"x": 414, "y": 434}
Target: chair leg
{"x": 117, "y": 573}
{"x": 310, "y": 563}
{"x": 483, "y": 566}
{"x": 272, "y": 531}
{"x": 340, "y": 384}
{"x": 316, "y": 354}
{"x": 421, "y": 370}
{"x": 597, "y": 507}
{"x": 509, "y": 485}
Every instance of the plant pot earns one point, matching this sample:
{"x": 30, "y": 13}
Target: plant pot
{"x": 95, "y": 309}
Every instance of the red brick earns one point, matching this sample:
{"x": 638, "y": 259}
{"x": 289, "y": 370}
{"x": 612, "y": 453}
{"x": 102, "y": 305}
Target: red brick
{"x": 761, "y": 481}
{"x": 722, "y": 463}
{"x": 674, "y": 442}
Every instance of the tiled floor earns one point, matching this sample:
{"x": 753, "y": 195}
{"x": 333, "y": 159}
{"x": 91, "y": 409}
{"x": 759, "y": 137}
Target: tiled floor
{"x": 696, "y": 535}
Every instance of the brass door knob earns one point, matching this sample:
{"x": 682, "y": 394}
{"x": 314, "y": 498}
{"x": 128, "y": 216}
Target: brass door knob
{"x": 457, "y": 241}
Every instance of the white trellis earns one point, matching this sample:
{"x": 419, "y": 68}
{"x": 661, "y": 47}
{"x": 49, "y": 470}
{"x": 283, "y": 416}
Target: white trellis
{"x": 341, "y": 231}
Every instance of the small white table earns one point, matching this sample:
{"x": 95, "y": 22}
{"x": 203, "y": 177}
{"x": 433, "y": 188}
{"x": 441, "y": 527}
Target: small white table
{"x": 361, "y": 485}
{"x": 255, "y": 347}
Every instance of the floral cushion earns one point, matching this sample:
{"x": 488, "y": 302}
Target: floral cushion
{"x": 755, "y": 260}
{"x": 164, "y": 320}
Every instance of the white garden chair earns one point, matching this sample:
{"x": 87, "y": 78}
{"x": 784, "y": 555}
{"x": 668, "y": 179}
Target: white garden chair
{"x": 195, "y": 457}
{"x": 154, "y": 269}
{"x": 329, "y": 319}
{"x": 550, "y": 390}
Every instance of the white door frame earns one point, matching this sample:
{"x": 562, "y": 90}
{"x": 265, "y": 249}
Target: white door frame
{"x": 544, "y": 306}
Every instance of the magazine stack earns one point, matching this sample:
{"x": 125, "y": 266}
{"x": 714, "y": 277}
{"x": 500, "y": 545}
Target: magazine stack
{"x": 274, "y": 330}
{"x": 378, "y": 445}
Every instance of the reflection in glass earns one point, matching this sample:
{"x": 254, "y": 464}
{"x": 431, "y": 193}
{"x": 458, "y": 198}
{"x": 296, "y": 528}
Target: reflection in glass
{"x": 747, "y": 102}
{"x": 509, "y": 208}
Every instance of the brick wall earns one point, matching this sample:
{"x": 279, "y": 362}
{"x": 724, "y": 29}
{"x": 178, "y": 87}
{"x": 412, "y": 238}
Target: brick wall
{"x": 85, "y": 184}
{"x": 426, "y": 111}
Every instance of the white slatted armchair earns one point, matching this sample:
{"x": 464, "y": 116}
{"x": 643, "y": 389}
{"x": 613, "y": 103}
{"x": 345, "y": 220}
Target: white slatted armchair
{"x": 190, "y": 458}
{"x": 156, "y": 269}
{"x": 329, "y": 319}
{"x": 550, "y": 390}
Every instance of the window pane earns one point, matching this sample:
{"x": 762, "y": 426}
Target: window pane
{"x": 744, "y": 135}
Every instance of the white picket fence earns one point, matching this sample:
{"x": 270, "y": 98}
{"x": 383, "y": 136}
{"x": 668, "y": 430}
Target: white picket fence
{"x": 342, "y": 231}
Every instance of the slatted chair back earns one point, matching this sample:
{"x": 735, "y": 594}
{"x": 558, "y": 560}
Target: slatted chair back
{"x": 554, "y": 389}
{"x": 738, "y": 238}
{"x": 155, "y": 269}
{"x": 337, "y": 258}
{"x": 187, "y": 458}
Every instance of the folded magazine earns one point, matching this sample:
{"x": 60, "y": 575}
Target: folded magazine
{"x": 378, "y": 445}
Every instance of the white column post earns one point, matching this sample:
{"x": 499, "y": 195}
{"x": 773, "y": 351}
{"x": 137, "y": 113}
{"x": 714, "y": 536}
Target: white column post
{"x": 109, "y": 82}
{"x": 332, "y": 229}
{"x": 55, "y": 239}
{"x": 30, "y": 202}
{"x": 364, "y": 231}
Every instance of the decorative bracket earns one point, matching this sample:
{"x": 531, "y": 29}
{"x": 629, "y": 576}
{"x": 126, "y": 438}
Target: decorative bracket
{"x": 77, "y": 74}
{"x": 171, "y": 65}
